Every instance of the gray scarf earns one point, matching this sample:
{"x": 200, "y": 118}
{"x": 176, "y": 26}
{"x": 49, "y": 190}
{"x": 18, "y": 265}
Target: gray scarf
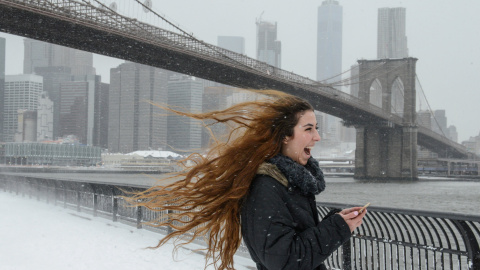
{"x": 308, "y": 179}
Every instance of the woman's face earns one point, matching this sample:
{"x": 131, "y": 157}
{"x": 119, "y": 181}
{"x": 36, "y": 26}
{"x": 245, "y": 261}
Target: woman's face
{"x": 298, "y": 147}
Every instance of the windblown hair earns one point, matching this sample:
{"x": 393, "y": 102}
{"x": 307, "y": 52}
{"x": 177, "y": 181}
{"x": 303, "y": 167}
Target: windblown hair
{"x": 206, "y": 201}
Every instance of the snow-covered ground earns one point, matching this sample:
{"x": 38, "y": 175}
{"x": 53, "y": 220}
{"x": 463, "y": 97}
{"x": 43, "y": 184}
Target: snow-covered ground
{"x": 36, "y": 235}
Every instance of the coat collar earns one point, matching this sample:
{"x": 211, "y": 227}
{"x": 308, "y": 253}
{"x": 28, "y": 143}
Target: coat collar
{"x": 308, "y": 179}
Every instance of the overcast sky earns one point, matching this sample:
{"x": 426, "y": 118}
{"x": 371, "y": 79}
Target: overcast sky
{"x": 442, "y": 34}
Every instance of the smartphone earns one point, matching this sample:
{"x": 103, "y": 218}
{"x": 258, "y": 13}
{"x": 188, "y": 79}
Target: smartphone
{"x": 363, "y": 208}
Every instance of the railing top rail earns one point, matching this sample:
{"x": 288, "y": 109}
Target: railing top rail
{"x": 411, "y": 212}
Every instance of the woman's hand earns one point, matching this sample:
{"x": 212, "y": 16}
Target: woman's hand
{"x": 352, "y": 217}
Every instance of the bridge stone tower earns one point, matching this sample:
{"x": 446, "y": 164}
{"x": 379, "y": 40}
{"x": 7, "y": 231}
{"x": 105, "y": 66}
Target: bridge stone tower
{"x": 387, "y": 151}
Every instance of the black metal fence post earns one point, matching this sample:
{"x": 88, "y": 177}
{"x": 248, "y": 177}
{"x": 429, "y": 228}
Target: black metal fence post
{"x": 347, "y": 255}
{"x": 64, "y": 196}
{"x": 78, "y": 201}
{"x": 47, "y": 192}
{"x": 114, "y": 208}
{"x": 139, "y": 217}
{"x": 471, "y": 244}
{"x": 95, "y": 204}
{"x": 476, "y": 262}
{"x": 169, "y": 228}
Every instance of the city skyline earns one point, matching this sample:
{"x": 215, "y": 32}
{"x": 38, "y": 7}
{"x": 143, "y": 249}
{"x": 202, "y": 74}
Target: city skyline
{"x": 357, "y": 44}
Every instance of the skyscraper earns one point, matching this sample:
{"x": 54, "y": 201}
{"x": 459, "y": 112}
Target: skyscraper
{"x": 391, "y": 38}
{"x": 185, "y": 92}
{"x": 100, "y": 134}
{"x": 424, "y": 119}
{"x": 329, "y": 55}
{"x": 21, "y": 93}
{"x": 269, "y": 49}
{"x": 93, "y": 83}
{"x": 74, "y": 110}
{"x": 439, "y": 122}
{"x": 53, "y": 77}
{"x": 214, "y": 98}
{"x": 234, "y": 44}
{"x": 26, "y": 126}
{"x": 452, "y": 133}
{"x": 42, "y": 54}
{"x": 2, "y": 85}
{"x": 329, "y": 41}
{"x": 135, "y": 124}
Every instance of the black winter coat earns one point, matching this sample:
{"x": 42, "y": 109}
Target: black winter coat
{"x": 281, "y": 227}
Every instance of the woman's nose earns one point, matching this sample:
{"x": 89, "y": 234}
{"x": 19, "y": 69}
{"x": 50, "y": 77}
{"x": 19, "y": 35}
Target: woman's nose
{"x": 316, "y": 136}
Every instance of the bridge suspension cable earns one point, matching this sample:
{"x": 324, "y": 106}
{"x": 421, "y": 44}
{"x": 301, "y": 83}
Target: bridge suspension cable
{"x": 357, "y": 76}
{"x": 428, "y": 105}
{"x": 366, "y": 72}
{"x": 340, "y": 74}
{"x": 338, "y": 83}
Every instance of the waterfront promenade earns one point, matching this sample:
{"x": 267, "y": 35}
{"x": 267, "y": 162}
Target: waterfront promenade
{"x": 445, "y": 200}
{"x": 37, "y": 235}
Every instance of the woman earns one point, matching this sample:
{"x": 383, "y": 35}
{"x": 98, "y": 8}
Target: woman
{"x": 261, "y": 180}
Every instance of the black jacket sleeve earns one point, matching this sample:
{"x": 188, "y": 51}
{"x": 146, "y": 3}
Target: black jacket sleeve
{"x": 274, "y": 235}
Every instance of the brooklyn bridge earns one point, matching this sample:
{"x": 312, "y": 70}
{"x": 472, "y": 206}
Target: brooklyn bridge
{"x": 386, "y": 141}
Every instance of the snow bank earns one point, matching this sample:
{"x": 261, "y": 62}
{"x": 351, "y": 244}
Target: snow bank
{"x": 36, "y": 235}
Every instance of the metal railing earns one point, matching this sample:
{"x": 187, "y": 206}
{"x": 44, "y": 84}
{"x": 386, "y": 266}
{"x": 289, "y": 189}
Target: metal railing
{"x": 409, "y": 239}
{"x": 388, "y": 239}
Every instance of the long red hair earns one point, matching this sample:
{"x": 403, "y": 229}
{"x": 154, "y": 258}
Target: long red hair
{"x": 206, "y": 201}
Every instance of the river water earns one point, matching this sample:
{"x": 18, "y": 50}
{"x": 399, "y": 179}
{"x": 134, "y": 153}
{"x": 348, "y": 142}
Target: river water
{"x": 431, "y": 194}
{"x": 442, "y": 195}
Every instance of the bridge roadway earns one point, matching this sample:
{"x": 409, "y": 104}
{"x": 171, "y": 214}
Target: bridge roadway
{"x": 82, "y": 26}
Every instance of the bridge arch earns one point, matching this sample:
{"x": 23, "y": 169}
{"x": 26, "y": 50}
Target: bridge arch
{"x": 376, "y": 93}
{"x": 397, "y": 97}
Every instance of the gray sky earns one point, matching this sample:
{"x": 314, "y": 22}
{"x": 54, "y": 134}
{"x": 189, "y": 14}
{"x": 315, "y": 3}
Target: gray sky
{"x": 442, "y": 34}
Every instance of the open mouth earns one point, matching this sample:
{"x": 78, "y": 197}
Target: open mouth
{"x": 307, "y": 150}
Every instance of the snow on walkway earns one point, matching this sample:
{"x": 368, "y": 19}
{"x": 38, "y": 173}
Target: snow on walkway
{"x": 36, "y": 235}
